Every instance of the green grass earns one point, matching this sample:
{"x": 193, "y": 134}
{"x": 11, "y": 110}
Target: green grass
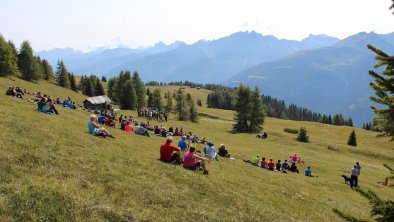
{"x": 52, "y": 169}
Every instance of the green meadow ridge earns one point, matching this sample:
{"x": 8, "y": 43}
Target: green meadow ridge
{"x": 51, "y": 169}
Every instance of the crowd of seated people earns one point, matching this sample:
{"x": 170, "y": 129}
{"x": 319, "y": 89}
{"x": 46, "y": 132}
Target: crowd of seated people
{"x": 16, "y": 92}
{"x": 279, "y": 166}
{"x": 152, "y": 113}
{"x": 47, "y": 105}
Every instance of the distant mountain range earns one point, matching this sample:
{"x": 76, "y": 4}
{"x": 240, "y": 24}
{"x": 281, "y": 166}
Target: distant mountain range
{"x": 320, "y": 72}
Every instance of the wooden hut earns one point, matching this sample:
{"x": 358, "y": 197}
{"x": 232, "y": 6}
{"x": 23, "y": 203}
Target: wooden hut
{"x": 97, "y": 102}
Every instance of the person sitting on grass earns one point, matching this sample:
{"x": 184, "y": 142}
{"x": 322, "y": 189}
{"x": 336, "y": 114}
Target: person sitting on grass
{"x": 285, "y": 165}
{"x": 41, "y": 104}
{"x": 182, "y": 144}
{"x": 101, "y": 119}
{"x": 278, "y": 166}
{"x": 210, "y": 151}
{"x": 110, "y": 121}
{"x": 193, "y": 161}
{"x": 95, "y": 129}
{"x": 254, "y": 160}
{"x": 271, "y": 165}
{"x": 129, "y": 128}
{"x": 169, "y": 153}
{"x": 50, "y": 107}
{"x": 308, "y": 172}
{"x": 223, "y": 152}
{"x": 263, "y": 163}
{"x": 293, "y": 168}
{"x": 142, "y": 131}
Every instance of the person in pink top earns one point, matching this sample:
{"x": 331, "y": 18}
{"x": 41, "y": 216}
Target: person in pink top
{"x": 193, "y": 161}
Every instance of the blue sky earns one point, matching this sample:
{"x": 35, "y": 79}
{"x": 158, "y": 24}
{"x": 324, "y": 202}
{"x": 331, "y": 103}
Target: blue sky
{"x": 88, "y": 24}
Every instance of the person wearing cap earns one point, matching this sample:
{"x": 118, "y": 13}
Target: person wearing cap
{"x": 223, "y": 152}
{"x": 182, "y": 144}
{"x": 168, "y": 152}
{"x": 210, "y": 150}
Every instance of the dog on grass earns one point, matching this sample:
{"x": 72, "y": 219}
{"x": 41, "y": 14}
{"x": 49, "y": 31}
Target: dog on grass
{"x": 347, "y": 179}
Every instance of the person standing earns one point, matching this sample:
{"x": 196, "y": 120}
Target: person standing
{"x": 358, "y": 167}
{"x": 354, "y": 177}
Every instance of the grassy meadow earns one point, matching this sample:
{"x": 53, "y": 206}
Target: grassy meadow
{"x": 51, "y": 169}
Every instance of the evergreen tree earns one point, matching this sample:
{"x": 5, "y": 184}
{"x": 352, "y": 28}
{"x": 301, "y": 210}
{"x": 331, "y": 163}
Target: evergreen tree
{"x": 128, "y": 96}
{"x": 181, "y": 108}
{"x": 47, "y": 70}
{"x": 99, "y": 90}
{"x": 110, "y": 87}
{"x": 147, "y": 92}
{"x": 88, "y": 87}
{"x": 38, "y": 68}
{"x": 13, "y": 49}
{"x": 8, "y": 59}
{"x": 350, "y": 122}
{"x": 139, "y": 89}
{"x": 169, "y": 104}
{"x": 27, "y": 63}
{"x": 157, "y": 100}
{"x": 352, "y": 139}
{"x": 150, "y": 99}
{"x": 62, "y": 75}
{"x": 303, "y": 135}
{"x": 73, "y": 82}
{"x": 384, "y": 90}
{"x": 199, "y": 103}
{"x": 256, "y": 113}
{"x": 242, "y": 107}
{"x": 329, "y": 120}
{"x": 103, "y": 79}
{"x": 193, "y": 115}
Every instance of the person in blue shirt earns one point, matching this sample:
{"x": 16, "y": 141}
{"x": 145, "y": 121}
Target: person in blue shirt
{"x": 308, "y": 172}
{"x": 182, "y": 143}
{"x": 142, "y": 131}
{"x": 101, "y": 119}
{"x": 210, "y": 150}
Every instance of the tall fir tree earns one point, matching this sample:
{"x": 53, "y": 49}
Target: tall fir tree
{"x": 27, "y": 63}
{"x": 157, "y": 101}
{"x": 193, "y": 115}
{"x": 73, "y": 82}
{"x": 181, "y": 107}
{"x": 242, "y": 107}
{"x": 111, "y": 87}
{"x": 8, "y": 59}
{"x": 62, "y": 75}
{"x": 139, "y": 89}
{"x": 150, "y": 99}
{"x": 256, "y": 112}
{"x": 169, "y": 103}
{"x": 103, "y": 79}
{"x": 47, "y": 70}
{"x": 128, "y": 96}
{"x": 352, "y": 141}
{"x": 384, "y": 91}
{"x": 88, "y": 87}
{"x": 99, "y": 90}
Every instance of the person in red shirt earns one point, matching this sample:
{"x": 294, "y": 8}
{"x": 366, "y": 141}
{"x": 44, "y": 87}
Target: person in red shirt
{"x": 271, "y": 165}
{"x": 167, "y": 150}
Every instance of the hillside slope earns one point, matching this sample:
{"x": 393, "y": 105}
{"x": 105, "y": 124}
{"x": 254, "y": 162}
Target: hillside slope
{"x": 52, "y": 169}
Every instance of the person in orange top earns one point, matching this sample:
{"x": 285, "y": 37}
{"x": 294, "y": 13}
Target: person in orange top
{"x": 129, "y": 128}
{"x": 168, "y": 152}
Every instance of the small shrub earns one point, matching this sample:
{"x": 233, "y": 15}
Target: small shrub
{"x": 344, "y": 216}
{"x": 303, "y": 135}
{"x": 352, "y": 139}
{"x": 199, "y": 103}
{"x": 293, "y": 131}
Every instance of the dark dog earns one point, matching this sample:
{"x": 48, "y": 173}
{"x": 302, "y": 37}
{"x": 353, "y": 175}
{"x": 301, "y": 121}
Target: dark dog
{"x": 347, "y": 179}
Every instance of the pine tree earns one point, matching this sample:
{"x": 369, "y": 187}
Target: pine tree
{"x": 352, "y": 139}
{"x": 256, "y": 113}
{"x": 181, "y": 108}
{"x": 27, "y": 63}
{"x": 128, "y": 96}
{"x": 147, "y": 92}
{"x": 99, "y": 90}
{"x": 303, "y": 135}
{"x": 350, "y": 122}
{"x": 384, "y": 90}
{"x": 47, "y": 70}
{"x": 88, "y": 87}
{"x": 193, "y": 115}
{"x": 157, "y": 101}
{"x": 110, "y": 87}
{"x": 103, "y": 79}
{"x": 62, "y": 75}
{"x": 199, "y": 103}
{"x": 8, "y": 59}
{"x": 139, "y": 89}
{"x": 150, "y": 99}
{"x": 242, "y": 107}
{"x": 73, "y": 82}
{"x": 169, "y": 104}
